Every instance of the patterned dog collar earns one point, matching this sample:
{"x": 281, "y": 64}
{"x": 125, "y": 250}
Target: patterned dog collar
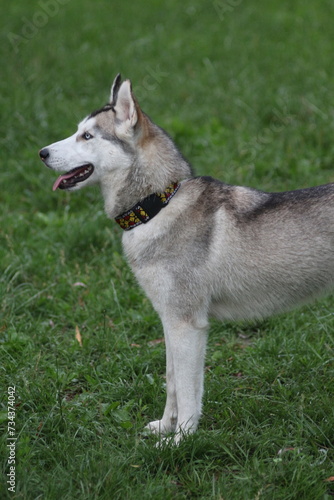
{"x": 147, "y": 208}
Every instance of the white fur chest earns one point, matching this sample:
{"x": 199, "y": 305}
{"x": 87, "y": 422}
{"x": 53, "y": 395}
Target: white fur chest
{"x": 137, "y": 241}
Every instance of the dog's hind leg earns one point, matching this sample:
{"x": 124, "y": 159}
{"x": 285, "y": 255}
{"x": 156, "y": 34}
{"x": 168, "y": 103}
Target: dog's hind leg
{"x": 185, "y": 348}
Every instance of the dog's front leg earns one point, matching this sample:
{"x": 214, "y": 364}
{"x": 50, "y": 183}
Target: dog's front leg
{"x": 185, "y": 349}
{"x": 188, "y": 342}
{"x": 169, "y": 419}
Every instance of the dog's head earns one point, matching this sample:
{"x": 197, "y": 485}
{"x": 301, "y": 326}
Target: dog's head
{"x": 105, "y": 141}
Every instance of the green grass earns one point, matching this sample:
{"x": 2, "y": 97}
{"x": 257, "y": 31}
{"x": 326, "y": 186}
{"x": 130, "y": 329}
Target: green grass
{"x": 247, "y": 91}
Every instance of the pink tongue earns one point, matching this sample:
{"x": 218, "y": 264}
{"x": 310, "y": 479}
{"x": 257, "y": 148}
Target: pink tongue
{"x": 61, "y": 178}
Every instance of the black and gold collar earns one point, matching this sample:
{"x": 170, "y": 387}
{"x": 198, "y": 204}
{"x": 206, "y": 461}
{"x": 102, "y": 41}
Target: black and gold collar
{"x": 147, "y": 208}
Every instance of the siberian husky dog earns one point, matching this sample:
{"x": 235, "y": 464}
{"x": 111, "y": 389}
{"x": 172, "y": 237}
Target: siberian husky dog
{"x": 198, "y": 247}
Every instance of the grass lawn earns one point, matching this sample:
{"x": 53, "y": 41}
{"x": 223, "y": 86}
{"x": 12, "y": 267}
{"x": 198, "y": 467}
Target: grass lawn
{"x": 247, "y": 91}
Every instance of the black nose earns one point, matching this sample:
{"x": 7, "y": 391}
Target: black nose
{"x": 44, "y": 153}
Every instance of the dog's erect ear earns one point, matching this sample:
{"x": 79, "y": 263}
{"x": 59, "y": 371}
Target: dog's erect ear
{"x": 114, "y": 89}
{"x": 125, "y": 107}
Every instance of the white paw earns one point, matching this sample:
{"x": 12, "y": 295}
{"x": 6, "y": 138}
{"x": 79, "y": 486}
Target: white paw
{"x": 157, "y": 427}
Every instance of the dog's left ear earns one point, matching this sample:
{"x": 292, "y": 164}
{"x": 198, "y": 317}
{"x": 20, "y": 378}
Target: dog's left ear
{"x": 125, "y": 107}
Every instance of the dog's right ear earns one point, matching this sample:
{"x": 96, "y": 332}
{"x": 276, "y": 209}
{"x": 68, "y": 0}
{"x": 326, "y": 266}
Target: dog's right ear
{"x": 114, "y": 89}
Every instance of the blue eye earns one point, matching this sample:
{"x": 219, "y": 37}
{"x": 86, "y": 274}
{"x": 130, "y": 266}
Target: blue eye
{"x": 87, "y": 136}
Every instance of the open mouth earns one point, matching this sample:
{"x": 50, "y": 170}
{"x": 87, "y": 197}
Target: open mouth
{"x": 71, "y": 178}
